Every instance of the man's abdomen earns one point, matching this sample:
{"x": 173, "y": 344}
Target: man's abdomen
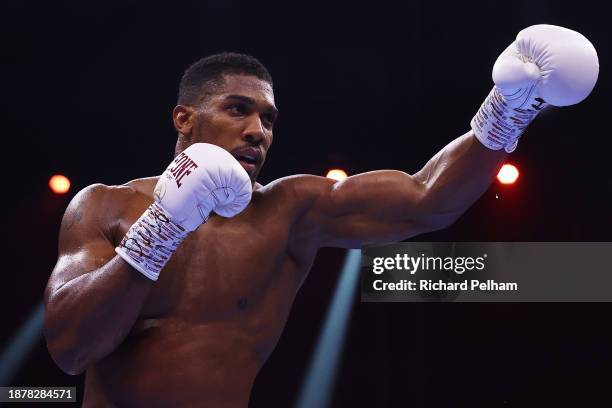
{"x": 171, "y": 362}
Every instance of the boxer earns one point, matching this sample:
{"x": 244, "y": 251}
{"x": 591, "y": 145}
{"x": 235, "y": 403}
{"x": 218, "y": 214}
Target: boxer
{"x": 173, "y": 290}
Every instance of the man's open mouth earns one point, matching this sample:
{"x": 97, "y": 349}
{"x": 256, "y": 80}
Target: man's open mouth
{"x": 249, "y": 158}
{"x": 248, "y": 163}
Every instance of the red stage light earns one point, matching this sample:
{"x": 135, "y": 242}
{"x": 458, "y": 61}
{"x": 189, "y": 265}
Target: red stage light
{"x": 508, "y": 174}
{"x": 59, "y": 184}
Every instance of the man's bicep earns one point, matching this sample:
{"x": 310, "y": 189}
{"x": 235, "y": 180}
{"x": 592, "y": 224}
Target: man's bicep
{"x": 368, "y": 208}
{"x": 84, "y": 242}
{"x": 356, "y": 232}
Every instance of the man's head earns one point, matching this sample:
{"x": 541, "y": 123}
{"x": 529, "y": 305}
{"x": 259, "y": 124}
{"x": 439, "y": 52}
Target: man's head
{"x": 227, "y": 100}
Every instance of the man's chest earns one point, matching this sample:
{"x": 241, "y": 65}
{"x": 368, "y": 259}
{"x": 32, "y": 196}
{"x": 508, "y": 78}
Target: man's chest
{"x": 225, "y": 268}
{"x": 228, "y": 260}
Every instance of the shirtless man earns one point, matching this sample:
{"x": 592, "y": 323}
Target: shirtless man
{"x": 173, "y": 290}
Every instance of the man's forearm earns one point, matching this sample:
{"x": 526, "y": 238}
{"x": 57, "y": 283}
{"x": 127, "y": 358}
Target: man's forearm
{"x": 456, "y": 177}
{"x": 89, "y": 316}
{"x": 546, "y": 64}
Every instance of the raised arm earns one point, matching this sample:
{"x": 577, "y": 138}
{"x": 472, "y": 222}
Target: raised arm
{"x": 387, "y": 205}
{"x": 545, "y": 65}
{"x": 93, "y": 296}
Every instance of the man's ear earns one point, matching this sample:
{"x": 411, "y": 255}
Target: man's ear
{"x": 183, "y": 117}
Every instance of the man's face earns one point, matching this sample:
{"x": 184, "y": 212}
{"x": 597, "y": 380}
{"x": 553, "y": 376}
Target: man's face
{"x": 238, "y": 117}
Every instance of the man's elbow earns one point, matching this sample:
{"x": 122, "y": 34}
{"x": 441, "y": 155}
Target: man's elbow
{"x": 65, "y": 358}
{"x": 429, "y": 214}
{"x": 64, "y": 350}
{"x": 70, "y": 369}
{"x": 439, "y": 222}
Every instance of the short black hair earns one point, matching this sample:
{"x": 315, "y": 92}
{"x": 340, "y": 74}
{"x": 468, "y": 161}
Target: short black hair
{"x": 205, "y": 75}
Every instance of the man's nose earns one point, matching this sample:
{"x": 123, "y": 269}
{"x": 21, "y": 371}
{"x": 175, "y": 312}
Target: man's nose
{"x": 255, "y": 131}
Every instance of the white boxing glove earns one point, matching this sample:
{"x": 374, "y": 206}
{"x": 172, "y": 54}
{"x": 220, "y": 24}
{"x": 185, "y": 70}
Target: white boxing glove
{"x": 546, "y": 64}
{"x": 201, "y": 179}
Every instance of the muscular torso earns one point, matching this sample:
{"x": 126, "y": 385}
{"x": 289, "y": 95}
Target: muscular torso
{"x": 214, "y": 315}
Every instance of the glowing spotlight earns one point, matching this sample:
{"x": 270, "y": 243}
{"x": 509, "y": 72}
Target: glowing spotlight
{"x": 507, "y": 174}
{"x": 59, "y": 184}
{"x": 336, "y": 174}
{"x": 24, "y": 341}
{"x": 319, "y": 383}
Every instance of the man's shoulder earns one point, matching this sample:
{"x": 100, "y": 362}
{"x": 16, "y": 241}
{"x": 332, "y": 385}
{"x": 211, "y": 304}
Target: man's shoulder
{"x": 144, "y": 186}
{"x": 297, "y": 191}
{"x": 302, "y": 185}
{"x": 113, "y": 199}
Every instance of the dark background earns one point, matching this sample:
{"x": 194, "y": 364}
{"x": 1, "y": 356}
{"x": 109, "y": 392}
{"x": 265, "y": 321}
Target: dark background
{"x": 87, "y": 91}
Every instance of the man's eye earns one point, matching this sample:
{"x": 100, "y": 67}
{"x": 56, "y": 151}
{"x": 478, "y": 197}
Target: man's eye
{"x": 237, "y": 109}
{"x": 269, "y": 119}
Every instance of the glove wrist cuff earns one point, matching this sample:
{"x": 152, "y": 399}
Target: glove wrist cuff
{"x": 151, "y": 241}
{"x": 498, "y": 125}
